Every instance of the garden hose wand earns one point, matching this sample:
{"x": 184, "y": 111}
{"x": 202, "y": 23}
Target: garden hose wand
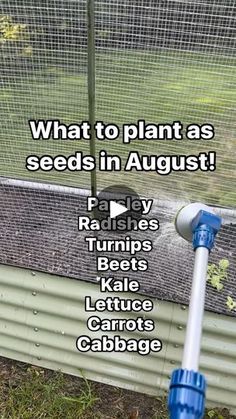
{"x": 196, "y": 223}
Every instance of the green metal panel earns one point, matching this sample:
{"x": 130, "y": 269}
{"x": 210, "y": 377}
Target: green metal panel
{"x": 42, "y": 315}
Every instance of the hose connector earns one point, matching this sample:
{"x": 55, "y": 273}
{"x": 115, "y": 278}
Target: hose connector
{"x": 187, "y": 395}
{"x": 205, "y": 226}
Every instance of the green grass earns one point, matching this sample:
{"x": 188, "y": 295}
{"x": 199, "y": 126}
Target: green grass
{"x": 28, "y": 392}
{"x": 34, "y": 393}
{"x": 158, "y": 87}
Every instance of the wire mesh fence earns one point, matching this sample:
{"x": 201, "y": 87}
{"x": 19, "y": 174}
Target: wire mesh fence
{"x": 43, "y": 76}
{"x": 156, "y": 61}
{"x": 168, "y": 60}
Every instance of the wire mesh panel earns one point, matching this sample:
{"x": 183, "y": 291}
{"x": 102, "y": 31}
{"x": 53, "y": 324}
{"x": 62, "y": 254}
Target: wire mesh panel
{"x": 43, "y": 54}
{"x": 158, "y": 61}
{"x": 38, "y": 231}
{"x": 162, "y": 61}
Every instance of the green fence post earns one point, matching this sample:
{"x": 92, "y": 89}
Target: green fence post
{"x": 91, "y": 86}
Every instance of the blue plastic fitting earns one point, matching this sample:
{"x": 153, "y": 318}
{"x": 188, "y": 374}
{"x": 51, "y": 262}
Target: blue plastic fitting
{"x": 205, "y": 226}
{"x": 187, "y": 395}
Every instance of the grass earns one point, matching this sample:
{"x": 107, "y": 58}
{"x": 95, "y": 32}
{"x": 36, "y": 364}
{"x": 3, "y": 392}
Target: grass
{"x": 29, "y": 392}
{"x": 33, "y": 392}
{"x": 158, "y": 87}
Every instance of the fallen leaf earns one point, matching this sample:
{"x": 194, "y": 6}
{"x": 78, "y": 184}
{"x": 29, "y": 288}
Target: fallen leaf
{"x": 134, "y": 414}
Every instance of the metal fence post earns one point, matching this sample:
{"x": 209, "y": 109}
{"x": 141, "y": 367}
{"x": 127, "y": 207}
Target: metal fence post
{"x": 91, "y": 86}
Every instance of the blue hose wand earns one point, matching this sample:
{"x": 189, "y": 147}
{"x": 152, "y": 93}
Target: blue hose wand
{"x": 196, "y": 223}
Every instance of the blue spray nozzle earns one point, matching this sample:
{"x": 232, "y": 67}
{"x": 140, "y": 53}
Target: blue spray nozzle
{"x": 206, "y": 218}
{"x": 205, "y": 226}
{"x": 187, "y": 395}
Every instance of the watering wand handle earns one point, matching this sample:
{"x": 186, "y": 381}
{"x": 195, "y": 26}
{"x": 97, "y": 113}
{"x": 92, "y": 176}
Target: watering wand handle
{"x": 204, "y": 227}
{"x": 187, "y": 387}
